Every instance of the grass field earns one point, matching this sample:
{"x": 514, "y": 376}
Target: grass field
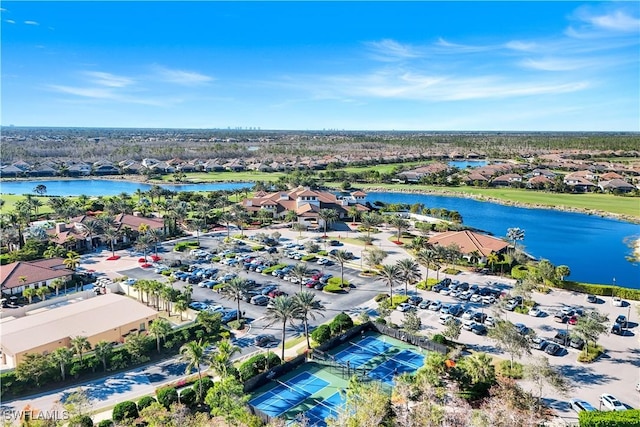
{"x": 250, "y": 176}
{"x": 620, "y": 205}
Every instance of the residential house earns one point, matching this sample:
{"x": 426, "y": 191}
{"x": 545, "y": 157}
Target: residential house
{"x": 104, "y": 167}
{"x": 20, "y": 275}
{"x": 10, "y": 171}
{"x": 506, "y": 180}
{"x": 79, "y": 169}
{"x": 616, "y": 186}
{"x": 471, "y": 244}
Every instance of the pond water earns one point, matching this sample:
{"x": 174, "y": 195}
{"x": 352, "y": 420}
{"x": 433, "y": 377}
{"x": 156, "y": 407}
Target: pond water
{"x": 107, "y": 187}
{"x": 463, "y": 164}
{"x": 594, "y": 248}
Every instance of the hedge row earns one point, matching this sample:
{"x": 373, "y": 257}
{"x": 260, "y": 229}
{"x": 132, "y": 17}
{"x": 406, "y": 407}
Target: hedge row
{"x": 181, "y": 246}
{"x": 601, "y": 290}
{"x": 273, "y": 268}
{"x": 628, "y": 418}
{"x": 257, "y": 364}
{"x": 334, "y": 285}
{"x": 338, "y": 325}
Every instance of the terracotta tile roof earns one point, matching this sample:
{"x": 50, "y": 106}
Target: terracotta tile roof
{"x": 134, "y": 222}
{"x": 468, "y": 242}
{"x": 34, "y": 271}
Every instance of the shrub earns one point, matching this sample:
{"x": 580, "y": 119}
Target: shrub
{"x": 601, "y": 290}
{"x": 188, "y": 397}
{"x": 519, "y": 272}
{"x": 333, "y": 288}
{"x": 321, "y": 334}
{"x": 309, "y": 258}
{"x": 341, "y": 323}
{"x": 505, "y": 369}
{"x": 452, "y": 271}
{"x": 273, "y": 268}
{"x": 427, "y": 285}
{"x": 125, "y": 411}
{"x": 80, "y": 421}
{"x": 167, "y": 396}
{"x": 380, "y": 320}
{"x": 181, "y": 246}
{"x": 323, "y": 253}
{"x": 396, "y": 300}
{"x": 593, "y": 353}
{"x": 145, "y": 401}
{"x": 105, "y": 423}
{"x": 273, "y": 360}
{"x": 237, "y": 324}
{"x": 230, "y": 255}
{"x": 257, "y": 248}
{"x": 252, "y": 366}
{"x": 628, "y": 418}
{"x": 207, "y": 383}
{"x": 381, "y": 297}
{"x": 439, "y": 339}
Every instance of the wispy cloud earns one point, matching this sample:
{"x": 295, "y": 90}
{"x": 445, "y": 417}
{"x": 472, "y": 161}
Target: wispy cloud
{"x": 521, "y": 46}
{"x": 181, "y": 77}
{"x": 391, "y": 50}
{"x": 108, "y": 79}
{"x": 9, "y": 21}
{"x": 31, "y": 23}
{"x": 556, "y": 64}
{"x": 617, "y": 20}
{"x": 112, "y": 94}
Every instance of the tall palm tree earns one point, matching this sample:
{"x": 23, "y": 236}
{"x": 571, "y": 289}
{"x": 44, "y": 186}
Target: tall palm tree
{"x": 328, "y": 216}
{"x": 143, "y": 243}
{"x": 29, "y": 293}
{"x": 91, "y": 228}
{"x": 291, "y": 216}
{"x": 42, "y": 292}
{"x": 221, "y": 359}
{"x": 428, "y": 258}
{"x": 515, "y": 234}
{"x": 284, "y": 309}
{"x": 340, "y": 257}
{"x": 236, "y": 288}
{"x": 479, "y": 367}
{"x": 300, "y": 272}
{"x": 79, "y": 344}
{"x": 492, "y": 259}
{"x": 390, "y": 275}
{"x": 62, "y": 356}
{"x": 370, "y": 221}
{"x": 181, "y": 305}
{"x": 111, "y": 235}
{"x": 194, "y": 354}
{"x": 57, "y": 283}
{"x": 308, "y": 306}
{"x": 354, "y": 213}
{"x": 409, "y": 272}
{"x": 159, "y": 328}
{"x": 400, "y": 224}
{"x": 103, "y": 350}
{"x": 226, "y": 218}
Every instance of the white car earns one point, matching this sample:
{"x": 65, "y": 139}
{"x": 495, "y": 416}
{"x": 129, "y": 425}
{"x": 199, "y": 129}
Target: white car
{"x": 435, "y": 306}
{"x": 445, "y": 318}
{"x": 535, "y": 312}
{"x": 488, "y": 299}
{"x": 611, "y": 403}
{"x": 405, "y": 306}
{"x": 616, "y": 302}
{"x": 475, "y": 298}
{"x": 468, "y": 324}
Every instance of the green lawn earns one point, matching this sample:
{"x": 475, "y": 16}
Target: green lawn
{"x": 621, "y": 205}
{"x": 227, "y": 176}
{"x": 11, "y": 199}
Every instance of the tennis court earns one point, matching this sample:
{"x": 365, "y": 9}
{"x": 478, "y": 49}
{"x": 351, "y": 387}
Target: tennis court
{"x": 316, "y": 389}
{"x": 287, "y": 395}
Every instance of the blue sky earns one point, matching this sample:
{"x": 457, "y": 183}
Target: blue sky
{"x": 539, "y": 66}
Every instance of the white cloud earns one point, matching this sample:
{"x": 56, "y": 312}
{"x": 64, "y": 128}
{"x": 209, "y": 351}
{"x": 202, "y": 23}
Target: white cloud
{"x": 111, "y": 94}
{"x": 108, "y": 79}
{"x": 555, "y": 64}
{"x": 617, "y": 20}
{"x": 87, "y": 92}
{"x": 182, "y": 77}
{"x": 521, "y": 46}
{"x": 9, "y": 21}
{"x": 31, "y": 23}
{"x": 391, "y": 50}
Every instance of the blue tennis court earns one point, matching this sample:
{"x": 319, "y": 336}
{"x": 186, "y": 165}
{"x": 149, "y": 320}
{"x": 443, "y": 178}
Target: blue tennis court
{"x": 329, "y": 408}
{"x": 287, "y": 395}
{"x": 403, "y": 362}
{"x": 362, "y": 351}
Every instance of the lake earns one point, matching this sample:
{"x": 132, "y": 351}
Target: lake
{"x": 593, "y": 247}
{"x": 107, "y": 187}
{"x": 463, "y": 164}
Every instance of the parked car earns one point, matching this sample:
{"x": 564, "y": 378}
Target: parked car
{"x": 229, "y": 316}
{"x": 621, "y": 320}
{"x": 522, "y": 328}
{"x": 490, "y": 321}
{"x": 580, "y": 405}
{"x": 197, "y": 305}
{"x": 611, "y": 403}
{"x": 511, "y": 305}
{"x": 617, "y": 329}
{"x": 535, "y": 312}
{"x": 488, "y": 299}
{"x": 468, "y": 323}
{"x": 405, "y": 306}
{"x": 538, "y": 343}
{"x": 259, "y": 300}
{"x": 267, "y": 289}
{"x": 277, "y": 293}
{"x": 616, "y": 302}
{"x": 591, "y": 298}
{"x": 479, "y": 317}
{"x": 456, "y": 310}
{"x": 478, "y": 329}
{"x": 435, "y": 306}
{"x": 576, "y": 343}
{"x": 476, "y": 298}
{"x": 424, "y": 305}
{"x": 444, "y": 318}
{"x": 553, "y": 349}
{"x": 562, "y": 338}
{"x": 573, "y": 319}
{"x": 414, "y": 300}
{"x": 560, "y": 318}
{"x": 264, "y": 340}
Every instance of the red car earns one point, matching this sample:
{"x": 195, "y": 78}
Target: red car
{"x": 573, "y": 320}
{"x": 277, "y": 293}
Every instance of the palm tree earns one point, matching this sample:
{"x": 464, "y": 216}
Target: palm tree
{"x": 72, "y": 261}
{"x": 42, "y": 292}
{"x": 354, "y": 213}
{"x": 159, "y": 328}
{"x": 479, "y": 367}
{"x": 492, "y": 259}
{"x": 181, "y": 305}
{"x": 409, "y": 272}
{"x": 29, "y": 293}
{"x": 341, "y": 257}
{"x": 291, "y": 216}
{"x": 197, "y": 224}
{"x": 515, "y": 234}
{"x": 79, "y": 345}
{"x": 308, "y": 306}
{"x": 226, "y": 218}
{"x": 57, "y": 283}
{"x": 400, "y": 224}
{"x": 428, "y": 257}
{"x": 103, "y": 350}
{"x": 143, "y": 243}
{"x": 194, "y": 354}
{"x": 390, "y": 275}
{"x": 284, "y": 309}
{"x": 328, "y": 216}
{"x": 111, "y": 235}
{"x": 221, "y": 360}
{"x": 90, "y": 229}
{"x": 300, "y": 272}
{"x": 62, "y": 356}
{"x": 370, "y": 221}
{"x": 236, "y": 288}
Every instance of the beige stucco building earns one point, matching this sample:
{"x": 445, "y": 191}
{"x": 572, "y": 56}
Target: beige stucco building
{"x": 109, "y": 317}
